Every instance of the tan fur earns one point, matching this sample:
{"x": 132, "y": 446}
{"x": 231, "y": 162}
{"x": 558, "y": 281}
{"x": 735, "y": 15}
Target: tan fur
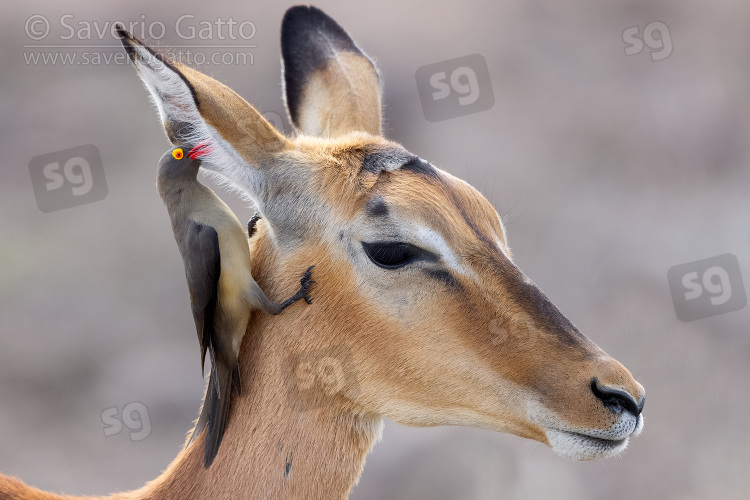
{"x": 339, "y": 98}
{"x": 236, "y": 120}
{"x": 478, "y": 348}
{"x": 447, "y": 372}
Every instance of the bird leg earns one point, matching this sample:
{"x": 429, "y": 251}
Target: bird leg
{"x": 275, "y": 308}
{"x": 305, "y": 282}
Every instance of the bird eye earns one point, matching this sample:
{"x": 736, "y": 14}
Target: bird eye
{"x": 391, "y": 255}
{"x": 177, "y": 154}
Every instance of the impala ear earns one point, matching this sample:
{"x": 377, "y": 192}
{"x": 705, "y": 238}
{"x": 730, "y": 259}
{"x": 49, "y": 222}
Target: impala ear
{"x": 196, "y": 108}
{"x": 331, "y": 86}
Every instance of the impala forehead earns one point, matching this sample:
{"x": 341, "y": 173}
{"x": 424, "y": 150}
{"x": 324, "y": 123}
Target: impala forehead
{"x": 436, "y": 209}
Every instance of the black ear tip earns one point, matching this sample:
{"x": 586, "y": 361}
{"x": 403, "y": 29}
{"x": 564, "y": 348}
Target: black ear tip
{"x": 309, "y": 37}
{"x": 302, "y": 18}
{"x": 293, "y": 16}
{"x": 303, "y": 12}
{"x": 127, "y": 40}
{"x": 122, "y": 32}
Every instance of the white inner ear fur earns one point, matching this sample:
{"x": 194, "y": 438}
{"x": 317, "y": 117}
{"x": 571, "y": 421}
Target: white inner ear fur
{"x": 175, "y": 103}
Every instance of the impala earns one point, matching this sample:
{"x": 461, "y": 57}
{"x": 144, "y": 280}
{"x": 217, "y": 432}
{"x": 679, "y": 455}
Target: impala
{"x": 420, "y": 314}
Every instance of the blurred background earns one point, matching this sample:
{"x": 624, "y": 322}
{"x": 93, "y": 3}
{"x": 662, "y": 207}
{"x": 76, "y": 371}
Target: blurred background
{"x": 609, "y": 169}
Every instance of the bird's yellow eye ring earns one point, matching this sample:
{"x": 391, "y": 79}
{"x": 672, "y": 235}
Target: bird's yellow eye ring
{"x": 177, "y": 154}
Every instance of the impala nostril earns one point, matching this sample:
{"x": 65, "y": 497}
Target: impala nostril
{"x": 616, "y": 400}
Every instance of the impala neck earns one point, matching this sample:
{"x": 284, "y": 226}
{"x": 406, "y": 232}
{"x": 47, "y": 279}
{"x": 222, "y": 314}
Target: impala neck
{"x": 272, "y": 449}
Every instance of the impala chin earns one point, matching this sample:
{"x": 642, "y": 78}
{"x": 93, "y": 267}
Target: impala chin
{"x": 594, "y": 444}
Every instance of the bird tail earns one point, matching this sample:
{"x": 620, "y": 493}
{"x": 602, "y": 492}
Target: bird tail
{"x": 215, "y": 409}
{"x": 203, "y": 418}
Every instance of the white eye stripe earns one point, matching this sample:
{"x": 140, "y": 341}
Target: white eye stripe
{"x": 422, "y": 236}
{"x": 433, "y": 241}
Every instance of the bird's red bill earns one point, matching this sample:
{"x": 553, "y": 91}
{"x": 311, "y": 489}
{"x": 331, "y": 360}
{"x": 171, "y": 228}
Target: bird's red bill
{"x": 200, "y": 149}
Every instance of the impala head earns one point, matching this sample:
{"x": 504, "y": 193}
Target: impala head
{"x": 414, "y": 273}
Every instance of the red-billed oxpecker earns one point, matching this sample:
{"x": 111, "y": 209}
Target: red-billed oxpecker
{"x": 223, "y": 292}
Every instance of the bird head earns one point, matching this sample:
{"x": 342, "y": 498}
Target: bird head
{"x": 177, "y": 162}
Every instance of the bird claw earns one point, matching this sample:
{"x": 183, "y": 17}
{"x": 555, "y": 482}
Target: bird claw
{"x": 306, "y": 281}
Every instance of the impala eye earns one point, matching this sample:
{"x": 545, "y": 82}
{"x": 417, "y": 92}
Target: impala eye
{"x": 177, "y": 154}
{"x": 391, "y": 255}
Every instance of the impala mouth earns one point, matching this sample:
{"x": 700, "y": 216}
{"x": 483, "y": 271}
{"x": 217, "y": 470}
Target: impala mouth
{"x": 590, "y": 445}
{"x": 582, "y": 447}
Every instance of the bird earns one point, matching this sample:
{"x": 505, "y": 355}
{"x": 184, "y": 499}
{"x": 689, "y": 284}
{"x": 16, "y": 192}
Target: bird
{"x": 223, "y": 293}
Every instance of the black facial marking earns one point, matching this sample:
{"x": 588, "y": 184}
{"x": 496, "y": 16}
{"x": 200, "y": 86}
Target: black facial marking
{"x": 532, "y": 301}
{"x": 463, "y": 210}
{"x": 421, "y": 167}
{"x": 373, "y": 163}
{"x": 380, "y": 158}
{"x": 376, "y": 208}
{"x": 309, "y": 39}
{"x": 288, "y": 465}
{"x": 443, "y": 276}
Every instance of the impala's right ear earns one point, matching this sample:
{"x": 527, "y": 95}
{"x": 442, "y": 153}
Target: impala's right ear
{"x": 196, "y": 108}
{"x": 331, "y": 86}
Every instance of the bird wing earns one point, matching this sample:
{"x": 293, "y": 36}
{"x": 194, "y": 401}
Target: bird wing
{"x": 203, "y": 268}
